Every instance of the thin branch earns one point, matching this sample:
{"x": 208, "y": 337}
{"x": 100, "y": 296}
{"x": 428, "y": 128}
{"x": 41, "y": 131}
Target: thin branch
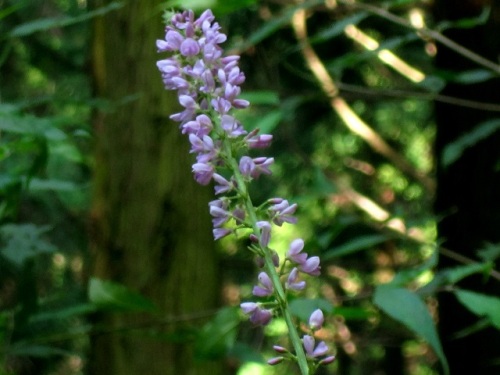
{"x": 426, "y": 32}
{"x": 396, "y": 93}
{"x": 340, "y": 106}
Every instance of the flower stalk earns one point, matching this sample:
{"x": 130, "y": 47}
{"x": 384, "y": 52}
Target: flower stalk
{"x": 208, "y": 86}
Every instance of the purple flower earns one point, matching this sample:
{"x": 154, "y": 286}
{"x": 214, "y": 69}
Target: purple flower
{"x": 316, "y": 320}
{"x": 282, "y": 212}
{"x": 275, "y": 361}
{"x": 189, "y": 47}
{"x": 221, "y": 232}
{"x": 262, "y": 165}
{"x": 257, "y": 315}
{"x": 218, "y": 209}
{"x": 222, "y": 185}
{"x": 259, "y": 141}
{"x": 200, "y": 127}
{"x": 311, "y": 266}
{"x": 203, "y": 173}
{"x": 246, "y": 166}
{"x": 232, "y": 127}
{"x": 265, "y": 233}
{"x": 327, "y": 360}
{"x": 295, "y": 252}
{"x": 311, "y": 351}
{"x": 265, "y": 287}
{"x": 292, "y": 281}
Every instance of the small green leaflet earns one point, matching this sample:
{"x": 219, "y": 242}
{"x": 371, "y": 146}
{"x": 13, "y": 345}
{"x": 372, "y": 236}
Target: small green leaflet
{"x": 481, "y": 305}
{"x": 407, "y": 308}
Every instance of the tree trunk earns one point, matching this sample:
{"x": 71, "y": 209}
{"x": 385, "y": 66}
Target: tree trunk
{"x": 468, "y": 190}
{"x": 150, "y": 225}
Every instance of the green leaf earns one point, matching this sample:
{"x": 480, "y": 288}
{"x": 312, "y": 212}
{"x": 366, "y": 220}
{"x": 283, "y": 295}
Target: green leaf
{"x": 53, "y": 185}
{"x": 24, "y": 241}
{"x": 218, "y": 335}
{"x": 261, "y": 97}
{"x": 408, "y": 275}
{"x": 45, "y": 24}
{"x": 63, "y": 313}
{"x": 245, "y": 353}
{"x": 407, "y": 308}
{"x": 41, "y": 351}
{"x": 322, "y": 186}
{"x": 219, "y": 7}
{"x": 338, "y": 27}
{"x": 353, "y": 313}
{"x": 270, "y": 27}
{"x": 490, "y": 252}
{"x": 112, "y": 296}
{"x": 473, "y": 76}
{"x": 355, "y": 245}
{"x": 454, "y": 150}
{"x": 303, "y": 307}
{"x": 266, "y": 123}
{"x": 481, "y": 305}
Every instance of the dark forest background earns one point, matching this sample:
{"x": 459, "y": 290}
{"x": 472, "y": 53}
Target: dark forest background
{"x": 386, "y": 124}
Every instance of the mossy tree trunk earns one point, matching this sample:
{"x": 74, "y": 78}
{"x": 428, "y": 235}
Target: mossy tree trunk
{"x": 468, "y": 190}
{"x": 150, "y": 226}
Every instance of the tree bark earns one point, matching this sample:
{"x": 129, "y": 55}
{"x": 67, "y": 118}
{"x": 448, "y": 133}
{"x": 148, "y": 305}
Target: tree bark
{"x": 150, "y": 228}
{"x": 468, "y": 190}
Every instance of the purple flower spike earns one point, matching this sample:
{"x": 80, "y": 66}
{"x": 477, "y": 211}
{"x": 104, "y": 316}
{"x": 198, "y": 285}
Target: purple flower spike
{"x": 265, "y": 287}
{"x": 312, "y": 352}
{"x": 295, "y": 253}
{"x": 292, "y": 281}
{"x": 316, "y": 320}
{"x": 311, "y": 266}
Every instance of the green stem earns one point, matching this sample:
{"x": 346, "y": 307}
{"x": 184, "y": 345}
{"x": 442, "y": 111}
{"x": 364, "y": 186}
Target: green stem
{"x": 273, "y": 274}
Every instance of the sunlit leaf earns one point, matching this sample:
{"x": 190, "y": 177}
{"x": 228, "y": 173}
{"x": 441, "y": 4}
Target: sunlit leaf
{"x": 218, "y": 335}
{"x": 113, "y": 296}
{"x": 407, "y": 308}
{"x": 481, "y": 304}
